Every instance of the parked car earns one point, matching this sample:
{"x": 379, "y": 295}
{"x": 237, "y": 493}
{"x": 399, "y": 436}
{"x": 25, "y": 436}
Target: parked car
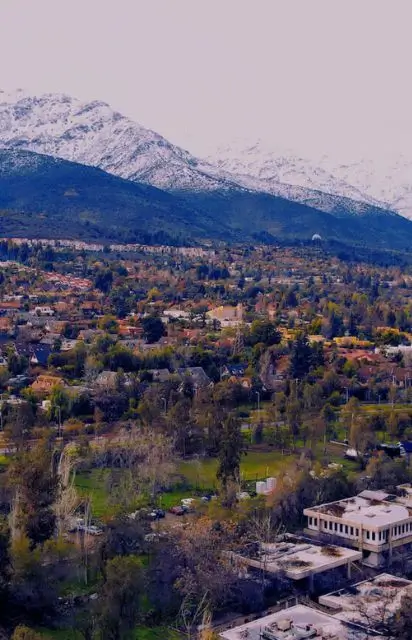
{"x": 178, "y": 510}
{"x": 188, "y": 502}
{"x": 157, "y": 514}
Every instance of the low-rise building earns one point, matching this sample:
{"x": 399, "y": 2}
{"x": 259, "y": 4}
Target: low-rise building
{"x": 227, "y": 316}
{"x": 44, "y": 383}
{"x": 374, "y": 522}
{"x": 296, "y": 558}
{"x": 369, "y": 603}
{"x": 295, "y": 623}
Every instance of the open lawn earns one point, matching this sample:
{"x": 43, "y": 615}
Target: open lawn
{"x": 201, "y": 474}
{"x": 93, "y": 484}
{"x": 192, "y": 476}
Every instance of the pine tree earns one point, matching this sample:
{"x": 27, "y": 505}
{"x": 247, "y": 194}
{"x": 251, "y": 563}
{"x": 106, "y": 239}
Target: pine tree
{"x": 230, "y": 451}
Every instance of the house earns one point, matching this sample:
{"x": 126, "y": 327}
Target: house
{"x": 196, "y": 376}
{"x": 234, "y": 370}
{"x": 109, "y": 379}
{"x": 176, "y": 314}
{"x": 43, "y": 311}
{"x": 106, "y": 379}
{"x": 68, "y": 345}
{"x": 56, "y": 326}
{"x": 18, "y": 382}
{"x": 373, "y": 522}
{"x": 226, "y": 315}
{"x": 6, "y": 325}
{"x": 45, "y": 383}
{"x": 40, "y": 354}
{"x": 160, "y": 375}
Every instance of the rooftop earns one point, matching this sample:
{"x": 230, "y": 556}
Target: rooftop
{"x": 292, "y": 624}
{"x": 299, "y": 559}
{"x": 370, "y": 509}
{"x": 372, "y": 602}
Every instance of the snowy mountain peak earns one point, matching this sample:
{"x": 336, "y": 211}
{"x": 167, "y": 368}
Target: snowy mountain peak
{"x": 92, "y": 133}
{"x": 378, "y": 180}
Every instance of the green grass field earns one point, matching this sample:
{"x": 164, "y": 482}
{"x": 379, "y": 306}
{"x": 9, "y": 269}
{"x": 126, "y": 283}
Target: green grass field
{"x": 93, "y": 485}
{"x": 201, "y": 474}
{"x": 196, "y": 476}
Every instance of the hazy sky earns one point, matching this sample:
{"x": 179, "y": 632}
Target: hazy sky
{"x": 314, "y": 75}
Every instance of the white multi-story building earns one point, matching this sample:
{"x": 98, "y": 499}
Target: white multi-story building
{"x": 373, "y": 522}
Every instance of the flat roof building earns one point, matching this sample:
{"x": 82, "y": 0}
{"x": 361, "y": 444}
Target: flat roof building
{"x": 297, "y": 558}
{"x": 296, "y": 623}
{"x": 374, "y": 522}
{"x": 371, "y": 603}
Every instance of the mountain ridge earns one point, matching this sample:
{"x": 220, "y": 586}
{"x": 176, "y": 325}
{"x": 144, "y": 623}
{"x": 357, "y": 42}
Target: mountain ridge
{"x": 92, "y": 133}
{"x": 41, "y": 195}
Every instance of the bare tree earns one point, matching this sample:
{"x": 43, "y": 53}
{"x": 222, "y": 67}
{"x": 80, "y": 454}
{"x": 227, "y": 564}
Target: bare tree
{"x": 67, "y": 499}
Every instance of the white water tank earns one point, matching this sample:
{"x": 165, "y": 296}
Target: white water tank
{"x": 261, "y": 487}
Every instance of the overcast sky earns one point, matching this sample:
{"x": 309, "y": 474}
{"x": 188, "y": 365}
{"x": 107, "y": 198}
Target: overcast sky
{"x": 313, "y": 75}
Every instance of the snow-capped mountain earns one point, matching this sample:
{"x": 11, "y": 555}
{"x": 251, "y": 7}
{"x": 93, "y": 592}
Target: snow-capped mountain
{"x": 284, "y": 173}
{"x": 388, "y": 180}
{"x": 382, "y": 182}
{"x": 92, "y": 133}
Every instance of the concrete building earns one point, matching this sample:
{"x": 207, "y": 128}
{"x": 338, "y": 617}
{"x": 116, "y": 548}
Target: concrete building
{"x": 374, "y": 522}
{"x": 296, "y": 623}
{"x": 297, "y": 558}
{"x": 369, "y": 603}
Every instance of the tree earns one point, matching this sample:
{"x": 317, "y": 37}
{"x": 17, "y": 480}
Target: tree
{"x": 387, "y": 474}
{"x": 230, "y": 451}
{"x": 109, "y": 324}
{"x": 104, "y": 280}
{"x": 293, "y": 417}
{"x": 34, "y": 483}
{"x": 265, "y": 332}
{"x": 300, "y": 360}
{"x": 153, "y": 329}
{"x": 59, "y": 404}
{"x": 401, "y": 627}
{"x": 25, "y": 633}
{"x": 361, "y": 437}
{"x": 120, "y": 599}
{"x": 19, "y": 424}
{"x": 16, "y": 364}
{"x": 5, "y": 562}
